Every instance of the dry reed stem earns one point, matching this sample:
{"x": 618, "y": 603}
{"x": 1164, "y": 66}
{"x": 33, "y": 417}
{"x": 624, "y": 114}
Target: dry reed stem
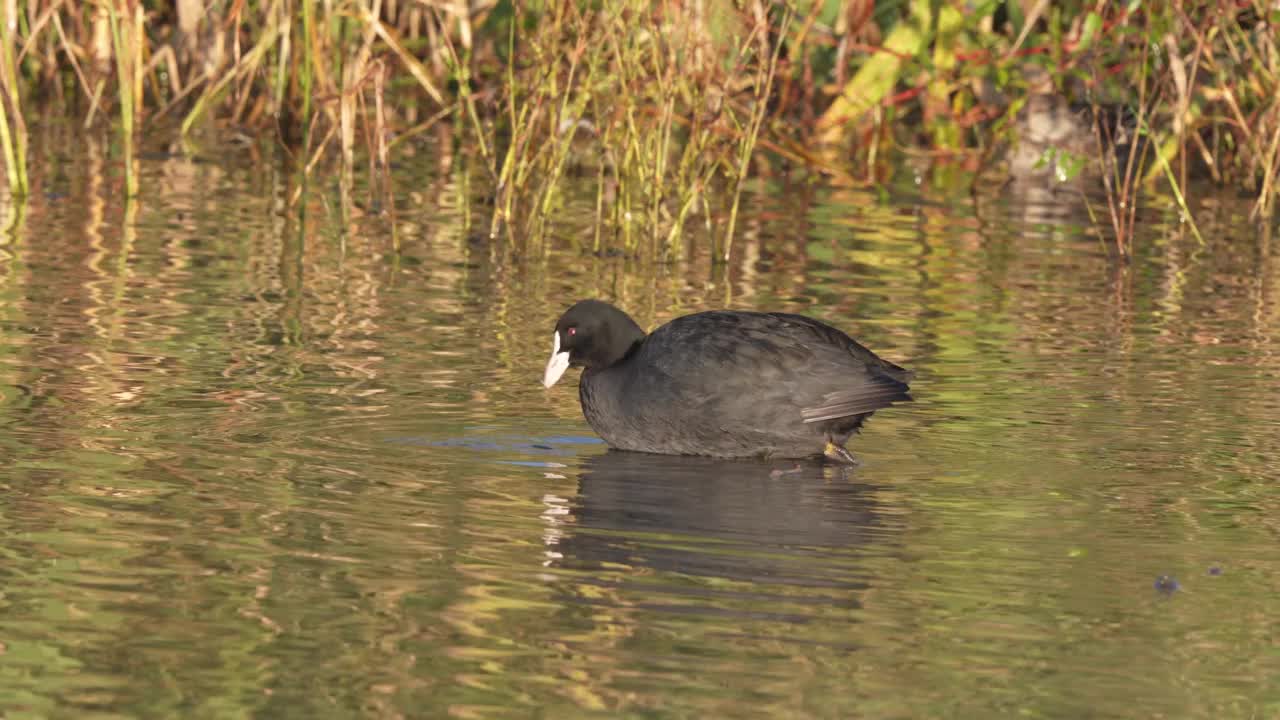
{"x": 756, "y": 122}
{"x": 71, "y": 56}
{"x": 1262, "y": 208}
{"x": 243, "y": 66}
{"x": 13, "y": 126}
{"x": 411, "y": 63}
{"x": 122, "y": 41}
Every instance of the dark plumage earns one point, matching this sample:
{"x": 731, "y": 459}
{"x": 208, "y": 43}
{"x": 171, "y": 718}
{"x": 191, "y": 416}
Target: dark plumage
{"x": 722, "y": 383}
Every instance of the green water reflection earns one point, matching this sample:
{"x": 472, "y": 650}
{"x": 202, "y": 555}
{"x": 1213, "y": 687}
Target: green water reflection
{"x": 258, "y": 467}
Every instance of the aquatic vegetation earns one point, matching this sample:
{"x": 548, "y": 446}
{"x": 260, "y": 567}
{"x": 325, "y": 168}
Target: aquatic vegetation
{"x": 673, "y": 105}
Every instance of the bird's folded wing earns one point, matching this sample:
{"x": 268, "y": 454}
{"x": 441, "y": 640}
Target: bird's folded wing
{"x": 877, "y": 393}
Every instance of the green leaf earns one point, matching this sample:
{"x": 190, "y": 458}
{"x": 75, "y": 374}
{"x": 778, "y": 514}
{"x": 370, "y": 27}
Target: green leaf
{"x": 1092, "y": 23}
{"x": 876, "y": 78}
{"x": 1070, "y": 165}
{"x": 1047, "y": 158}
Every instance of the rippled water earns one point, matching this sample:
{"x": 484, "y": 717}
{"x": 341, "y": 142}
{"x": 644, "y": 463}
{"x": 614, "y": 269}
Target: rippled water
{"x": 258, "y": 464}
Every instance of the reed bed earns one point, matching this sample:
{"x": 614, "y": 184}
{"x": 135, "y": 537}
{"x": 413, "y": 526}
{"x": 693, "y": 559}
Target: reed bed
{"x": 672, "y": 104}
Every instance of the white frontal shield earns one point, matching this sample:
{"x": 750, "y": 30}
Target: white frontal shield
{"x": 558, "y": 363}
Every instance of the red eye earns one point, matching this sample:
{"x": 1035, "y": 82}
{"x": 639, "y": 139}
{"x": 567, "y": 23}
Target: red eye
{"x": 573, "y": 331}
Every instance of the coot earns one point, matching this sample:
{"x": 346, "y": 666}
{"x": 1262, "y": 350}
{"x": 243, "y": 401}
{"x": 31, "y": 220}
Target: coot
{"x": 722, "y": 383}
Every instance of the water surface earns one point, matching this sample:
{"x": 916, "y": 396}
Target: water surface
{"x": 270, "y": 464}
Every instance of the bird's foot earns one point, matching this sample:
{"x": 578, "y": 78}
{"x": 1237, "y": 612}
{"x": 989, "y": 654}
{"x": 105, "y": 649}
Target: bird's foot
{"x": 839, "y": 454}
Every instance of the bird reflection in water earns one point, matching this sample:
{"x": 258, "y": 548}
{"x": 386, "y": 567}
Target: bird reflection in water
{"x": 752, "y": 521}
